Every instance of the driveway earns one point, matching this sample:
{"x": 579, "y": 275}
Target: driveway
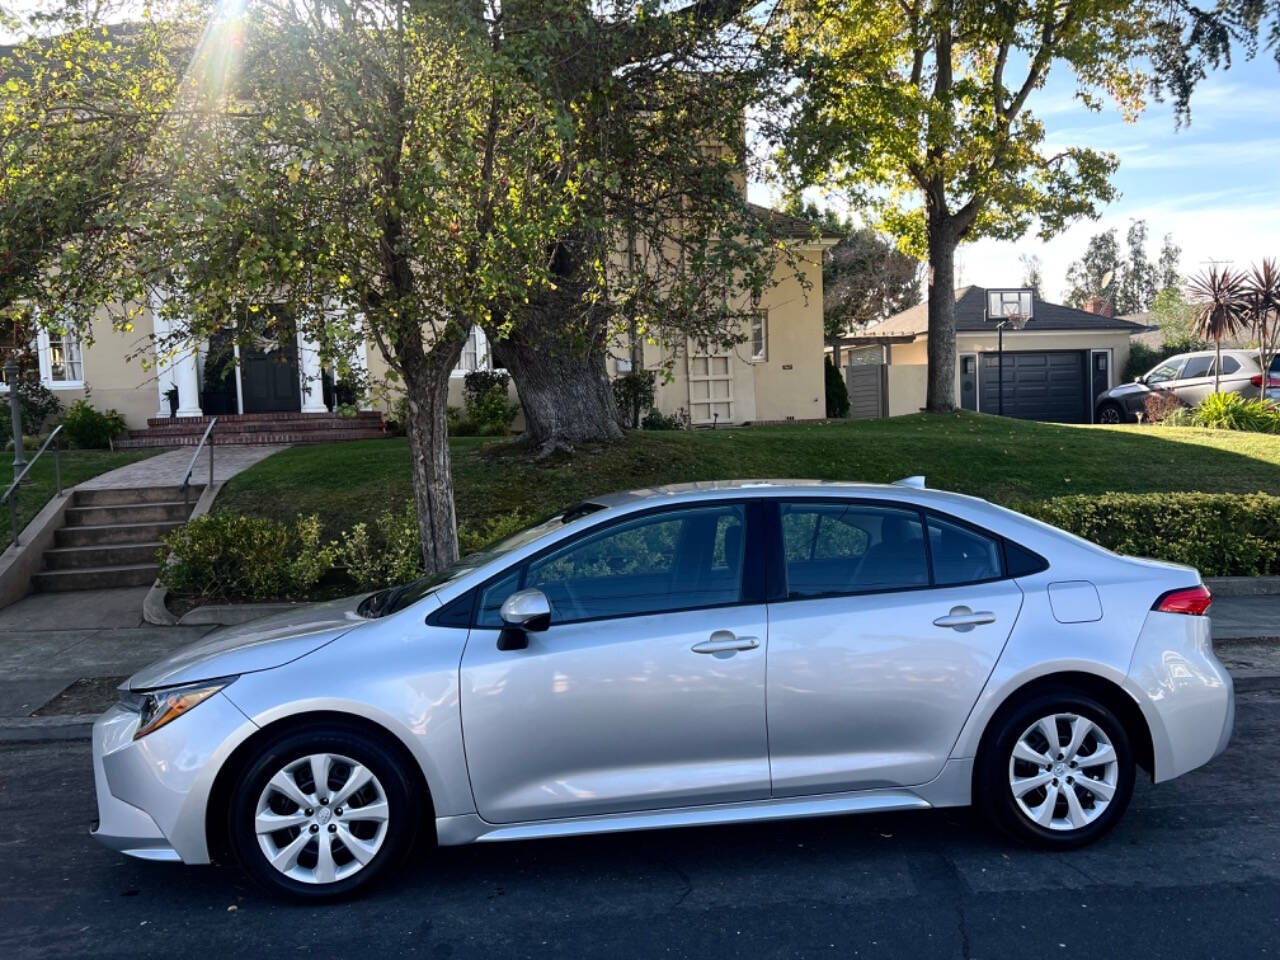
{"x": 1192, "y": 871}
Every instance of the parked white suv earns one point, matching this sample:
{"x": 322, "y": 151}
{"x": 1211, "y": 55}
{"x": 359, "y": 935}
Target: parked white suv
{"x": 1188, "y": 378}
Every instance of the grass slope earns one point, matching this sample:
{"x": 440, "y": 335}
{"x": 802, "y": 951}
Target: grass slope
{"x": 999, "y": 459}
{"x": 77, "y": 466}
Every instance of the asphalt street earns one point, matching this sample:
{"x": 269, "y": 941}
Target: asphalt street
{"x": 1192, "y": 871}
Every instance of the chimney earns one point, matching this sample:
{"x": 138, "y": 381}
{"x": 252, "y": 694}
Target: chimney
{"x": 1099, "y": 305}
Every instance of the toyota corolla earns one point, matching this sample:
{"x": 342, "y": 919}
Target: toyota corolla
{"x": 681, "y": 656}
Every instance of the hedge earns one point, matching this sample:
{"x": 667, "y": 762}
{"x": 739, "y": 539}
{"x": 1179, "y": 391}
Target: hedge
{"x": 1221, "y": 534}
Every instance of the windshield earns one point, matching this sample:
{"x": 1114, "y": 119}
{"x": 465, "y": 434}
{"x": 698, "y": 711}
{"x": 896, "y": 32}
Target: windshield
{"x": 395, "y": 599}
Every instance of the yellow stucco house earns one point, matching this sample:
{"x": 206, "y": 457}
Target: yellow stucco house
{"x": 280, "y": 392}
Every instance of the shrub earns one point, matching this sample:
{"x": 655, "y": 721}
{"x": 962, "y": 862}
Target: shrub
{"x": 488, "y": 409}
{"x": 837, "y": 392}
{"x": 1220, "y": 534}
{"x": 388, "y": 554}
{"x": 634, "y": 393}
{"x": 1230, "y": 411}
{"x": 1159, "y": 405}
{"x": 1142, "y": 358}
{"x": 655, "y": 419}
{"x": 89, "y": 428}
{"x": 490, "y": 531}
{"x": 228, "y": 557}
{"x": 39, "y": 405}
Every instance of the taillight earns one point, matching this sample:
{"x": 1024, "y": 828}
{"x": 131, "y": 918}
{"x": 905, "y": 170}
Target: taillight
{"x": 1256, "y": 380}
{"x": 1193, "y": 601}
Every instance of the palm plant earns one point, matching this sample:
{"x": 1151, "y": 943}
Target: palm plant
{"x": 1221, "y": 303}
{"x": 1262, "y": 287}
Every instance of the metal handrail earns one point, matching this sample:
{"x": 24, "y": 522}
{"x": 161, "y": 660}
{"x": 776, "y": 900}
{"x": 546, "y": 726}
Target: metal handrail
{"x": 11, "y": 494}
{"x": 186, "y": 483}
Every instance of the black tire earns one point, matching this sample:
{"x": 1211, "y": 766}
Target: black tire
{"x": 1111, "y": 412}
{"x": 403, "y": 804}
{"x": 992, "y": 776}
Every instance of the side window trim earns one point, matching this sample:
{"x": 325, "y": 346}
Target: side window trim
{"x": 527, "y": 562}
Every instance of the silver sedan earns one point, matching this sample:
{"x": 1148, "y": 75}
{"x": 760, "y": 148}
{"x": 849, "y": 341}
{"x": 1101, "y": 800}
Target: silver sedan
{"x": 680, "y": 656}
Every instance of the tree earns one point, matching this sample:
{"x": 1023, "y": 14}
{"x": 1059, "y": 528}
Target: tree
{"x": 1221, "y": 301}
{"x": 1262, "y": 292}
{"x": 1032, "y": 272}
{"x": 1168, "y": 274}
{"x": 1095, "y": 273}
{"x": 1137, "y": 283}
{"x": 1176, "y": 319}
{"x": 373, "y": 169}
{"x": 930, "y": 98}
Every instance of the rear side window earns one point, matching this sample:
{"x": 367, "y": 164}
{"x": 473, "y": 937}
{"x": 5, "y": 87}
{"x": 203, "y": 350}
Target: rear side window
{"x": 962, "y": 555}
{"x": 1230, "y": 365}
{"x": 1197, "y": 367}
{"x": 836, "y": 548}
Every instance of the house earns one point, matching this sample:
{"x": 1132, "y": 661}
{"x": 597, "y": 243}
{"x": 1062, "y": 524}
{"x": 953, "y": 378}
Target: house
{"x": 1016, "y": 354}
{"x": 278, "y": 389}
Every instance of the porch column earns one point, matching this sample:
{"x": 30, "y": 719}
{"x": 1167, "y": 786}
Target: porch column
{"x": 164, "y": 370}
{"x": 187, "y": 378}
{"x": 361, "y": 362}
{"x": 310, "y": 375}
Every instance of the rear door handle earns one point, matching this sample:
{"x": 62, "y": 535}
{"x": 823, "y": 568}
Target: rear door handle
{"x": 723, "y": 641}
{"x": 964, "y": 619}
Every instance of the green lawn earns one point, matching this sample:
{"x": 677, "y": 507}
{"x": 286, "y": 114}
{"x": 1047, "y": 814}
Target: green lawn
{"x": 77, "y": 466}
{"x": 1002, "y": 460}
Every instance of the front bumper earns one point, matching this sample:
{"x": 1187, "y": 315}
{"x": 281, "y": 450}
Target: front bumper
{"x": 1190, "y": 701}
{"x": 153, "y": 793}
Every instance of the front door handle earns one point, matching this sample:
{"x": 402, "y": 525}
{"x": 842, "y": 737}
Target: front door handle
{"x": 963, "y": 619}
{"x": 723, "y": 641}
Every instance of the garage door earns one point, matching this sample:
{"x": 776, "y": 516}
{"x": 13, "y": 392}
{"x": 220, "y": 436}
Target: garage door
{"x": 1038, "y": 385}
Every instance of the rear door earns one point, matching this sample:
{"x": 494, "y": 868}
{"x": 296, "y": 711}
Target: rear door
{"x": 879, "y": 642}
{"x": 1195, "y": 381}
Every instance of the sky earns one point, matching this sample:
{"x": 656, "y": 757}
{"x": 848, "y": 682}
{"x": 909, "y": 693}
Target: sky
{"x": 1214, "y": 184}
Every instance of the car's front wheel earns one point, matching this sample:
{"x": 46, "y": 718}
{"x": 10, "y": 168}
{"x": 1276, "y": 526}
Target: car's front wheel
{"x": 1058, "y": 771}
{"x": 321, "y": 813}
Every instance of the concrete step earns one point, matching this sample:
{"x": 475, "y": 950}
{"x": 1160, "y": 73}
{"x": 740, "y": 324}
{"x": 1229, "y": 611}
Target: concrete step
{"x": 94, "y": 578}
{"x": 129, "y": 513}
{"x": 107, "y": 555}
{"x": 198, "y": 424}
{"x": 141, "y": 439}
{"x": 263, "y": 426}
{"x": 117, "y": 497}
{"x": 100, "y": 535}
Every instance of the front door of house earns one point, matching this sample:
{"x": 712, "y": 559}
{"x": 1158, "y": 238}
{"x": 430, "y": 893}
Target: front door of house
{"x": 269, "y": 364}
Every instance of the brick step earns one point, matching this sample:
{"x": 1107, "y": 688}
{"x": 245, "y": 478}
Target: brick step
{"x": 114, "y": 533}
{"x": 315, "y": 436}
{"x": 114, "y": 497}
{"x": 128, "y": 513}
{"x": 272, "y": 426}
{"x": 199, "y": 423}
{"x": 110, "y": 555}
{"x": 95, "y": 578}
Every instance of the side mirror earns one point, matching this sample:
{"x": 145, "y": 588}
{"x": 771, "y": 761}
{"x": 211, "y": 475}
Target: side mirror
{"x": 1139, "y": 379}
{"x": 523, "y": 612}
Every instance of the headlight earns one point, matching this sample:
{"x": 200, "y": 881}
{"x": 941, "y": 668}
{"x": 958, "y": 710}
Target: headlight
{"x": 159, "y": 707}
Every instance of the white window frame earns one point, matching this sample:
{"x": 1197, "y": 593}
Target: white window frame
{"x": 44, "y": 347}
{"x": 484, "y": 356}
{"x": 760, "y": 321}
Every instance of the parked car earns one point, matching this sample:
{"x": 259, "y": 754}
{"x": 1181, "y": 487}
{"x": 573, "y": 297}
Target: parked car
{"x": 609, "y": 670}
{"x": 1188, "y": 378}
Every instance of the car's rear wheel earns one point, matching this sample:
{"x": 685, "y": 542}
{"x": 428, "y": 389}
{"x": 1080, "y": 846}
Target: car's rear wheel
{"x": 1110, "y": 413}
{"x": 321, "y": 814}
{"x": 1058, "y": 771}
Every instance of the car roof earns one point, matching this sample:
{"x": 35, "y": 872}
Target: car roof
{"x": 914, "y": 491}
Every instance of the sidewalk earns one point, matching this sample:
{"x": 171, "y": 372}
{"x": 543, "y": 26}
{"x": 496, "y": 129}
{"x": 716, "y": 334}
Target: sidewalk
{"x": 170, "y": 469}
{"x": 49, "y": 641}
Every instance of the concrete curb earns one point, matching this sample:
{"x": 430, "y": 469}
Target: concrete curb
{"x": 1243, "y": 586}
{"x": 36, "y": 729}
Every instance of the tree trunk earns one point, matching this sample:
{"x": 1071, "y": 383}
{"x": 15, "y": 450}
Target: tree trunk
{"x": 426, "y": 382}
{"x": 940, "y": 395}
{"x": 556, "y": 353}
{"x": 1217, "y": 364}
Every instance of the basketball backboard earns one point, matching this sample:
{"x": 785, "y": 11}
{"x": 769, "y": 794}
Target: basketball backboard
{"x": 1010, "y": 302}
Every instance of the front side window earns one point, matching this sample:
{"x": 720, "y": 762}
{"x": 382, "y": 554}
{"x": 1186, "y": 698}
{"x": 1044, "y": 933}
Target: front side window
{"x": 1166, "y": 371}
{"x": 674, "y": 560}
{"x": 835, "y": 548}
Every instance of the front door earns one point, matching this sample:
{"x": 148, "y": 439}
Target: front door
{"x": 269, "y": 379}
{"x": 646, "y": 691}
{"x": 968, "y": 381}
{"x": 869, "y": 683}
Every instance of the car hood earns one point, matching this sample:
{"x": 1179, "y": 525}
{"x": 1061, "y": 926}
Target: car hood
{"x": 257, "y": 645}
{"x": 1125, "y": 389}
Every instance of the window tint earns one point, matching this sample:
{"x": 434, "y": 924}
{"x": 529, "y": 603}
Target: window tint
{"x": 1165, "y": 371}
{"x": 1230, "y": 365}
{"x": 833, "y": 548}
{"x": 674, "y": 560}
{"x": 961, "y": 555}
{"x": 1197, "y": 367}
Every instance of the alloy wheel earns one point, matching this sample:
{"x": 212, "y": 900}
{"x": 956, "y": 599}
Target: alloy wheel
{"x": 1063, "y": 771}
{"x": 321, "y": 818}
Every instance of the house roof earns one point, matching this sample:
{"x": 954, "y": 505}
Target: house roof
{"x": 785, "y": 225}
{"x": 971, "y": 318}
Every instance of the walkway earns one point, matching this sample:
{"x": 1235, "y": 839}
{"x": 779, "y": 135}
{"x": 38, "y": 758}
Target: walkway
{"x": 169, "y": 469}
